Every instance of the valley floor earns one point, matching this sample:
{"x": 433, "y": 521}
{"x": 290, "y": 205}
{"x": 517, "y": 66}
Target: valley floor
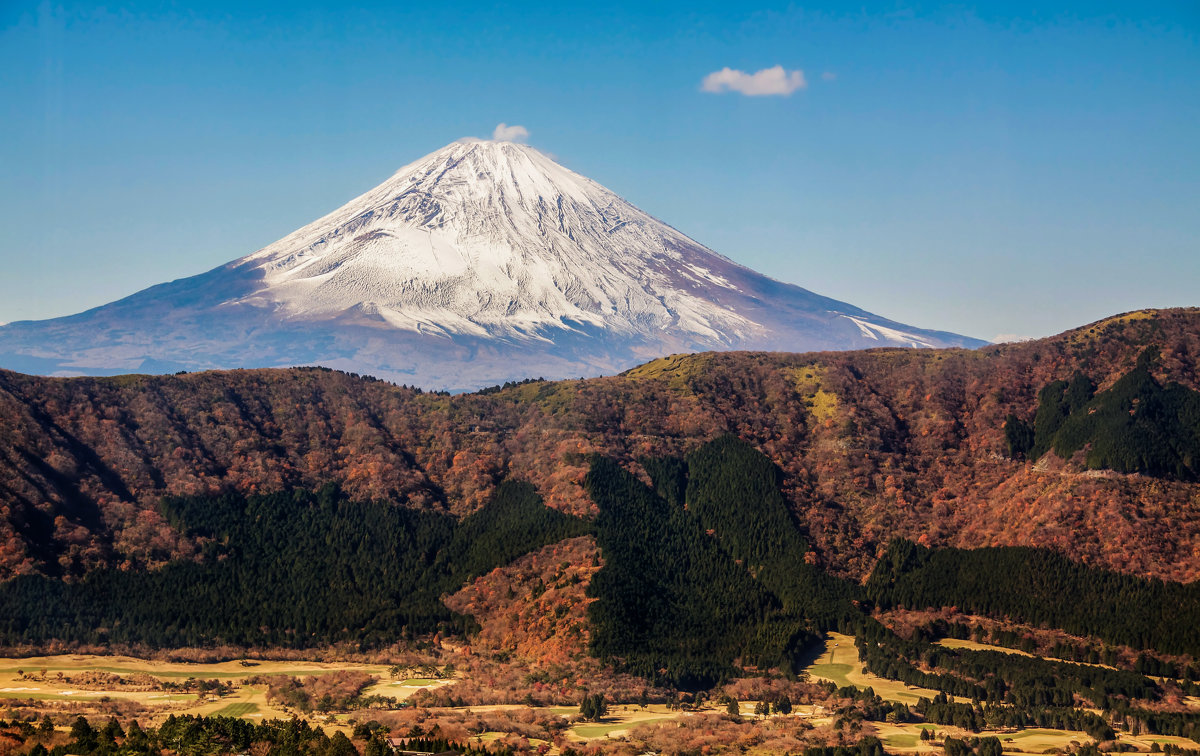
{"x": 65, "y": 686}
{"x": 840, "y": 665}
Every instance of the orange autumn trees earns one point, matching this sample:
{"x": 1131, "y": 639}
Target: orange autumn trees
{"x": 872, "y": 444}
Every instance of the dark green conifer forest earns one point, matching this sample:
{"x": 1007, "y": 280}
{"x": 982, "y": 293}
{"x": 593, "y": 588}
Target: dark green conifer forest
{"x": 295, "y": 570}
{"x": 1041, "y": 587}
{"x": 706, "y": 570}
{"x": 1136, "y": 426}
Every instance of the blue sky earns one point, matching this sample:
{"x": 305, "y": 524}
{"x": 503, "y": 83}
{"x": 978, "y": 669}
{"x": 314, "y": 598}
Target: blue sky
{"x": 990, "y": 169}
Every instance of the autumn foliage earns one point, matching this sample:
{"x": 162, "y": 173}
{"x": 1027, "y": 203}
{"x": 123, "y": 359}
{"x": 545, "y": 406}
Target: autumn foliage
{"x": 871, "y": 444}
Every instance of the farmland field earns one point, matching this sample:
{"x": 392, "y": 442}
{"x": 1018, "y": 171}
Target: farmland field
{"x": 125, "y": 665}
{"x": 95, "y": 681}
{"x": 91, "y": 679}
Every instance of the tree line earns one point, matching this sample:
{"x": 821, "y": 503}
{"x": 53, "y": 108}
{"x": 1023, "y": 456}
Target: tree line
{"x": 996, "y": 676}
{"x": 215, "y": 735}
{"x": 1084, "y": 652}
{"x": 1041, "y": 587}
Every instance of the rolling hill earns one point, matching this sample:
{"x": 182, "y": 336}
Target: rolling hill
{"x": 870, "y": 445}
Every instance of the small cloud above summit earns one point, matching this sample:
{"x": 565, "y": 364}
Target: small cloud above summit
{"x": 769, "y": 81}
{"x": 505, "y": 133}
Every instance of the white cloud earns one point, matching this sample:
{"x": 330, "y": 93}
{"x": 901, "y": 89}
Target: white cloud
{"x": 505, "y": 133}
{"x": 829, "y": 76}
{"x": 769, "y": 81}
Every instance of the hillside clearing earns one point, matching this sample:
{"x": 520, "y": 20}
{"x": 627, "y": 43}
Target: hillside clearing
{"x": 840, "y": 665}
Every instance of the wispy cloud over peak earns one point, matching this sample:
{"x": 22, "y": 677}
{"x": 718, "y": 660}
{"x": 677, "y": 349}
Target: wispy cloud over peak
{"x": 505, "y": 133}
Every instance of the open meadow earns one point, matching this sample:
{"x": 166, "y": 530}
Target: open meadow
{"x": 840, "y": 665}
{"x": 162, "y": 688}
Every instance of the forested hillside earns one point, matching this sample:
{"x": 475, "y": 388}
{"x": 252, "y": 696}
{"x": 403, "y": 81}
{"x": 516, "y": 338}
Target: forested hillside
{"x": 1027, "y": 585}
{"x": 696, "y": 585}
{"x": 1138, "y": 425}
{"x": 698, "y": 572}
{"x": 868, "y": 445}
{"x": 706, "y": 568}
{"x": 292, "y": 570}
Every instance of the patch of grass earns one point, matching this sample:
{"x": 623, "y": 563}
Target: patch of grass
{"x": 901, "y": 740}
{"x": 239, "y": 709}
{"x": 554, "y": 397}
{"x": 1047, "y": 738}
{"x": 677, "y": 369}
{"x": 1083, "y": 335}
{"x": 822, "y": 404}
{"x": 840, "y": 664}
{"x": 600, "y": 730}
{"x": 974, "y": 646}
{"x": 202, "y": 671}
{"x": 36, "y": 696}
{"x": 838, "y": 673}
{"x": 116, "y": 670}
{"x": 971, "y": 645}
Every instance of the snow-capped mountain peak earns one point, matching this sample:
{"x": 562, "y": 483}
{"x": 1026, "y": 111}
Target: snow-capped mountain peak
{"x": 481, "y": 262}
{"x": 492, "y": 238}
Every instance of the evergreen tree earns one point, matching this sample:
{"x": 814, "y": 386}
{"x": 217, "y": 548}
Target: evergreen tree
{"x": 593, "y": 707}
{"x": 340, "y": 745}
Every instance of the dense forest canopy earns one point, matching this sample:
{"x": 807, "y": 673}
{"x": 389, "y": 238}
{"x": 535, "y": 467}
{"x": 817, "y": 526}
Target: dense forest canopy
{"x": 295, "y": 570}
{"x": 1041, "y": 587}
{"x": 672, "y": 603}
{"x": 706, "y": 570}
{"x": 1138, "y": 425}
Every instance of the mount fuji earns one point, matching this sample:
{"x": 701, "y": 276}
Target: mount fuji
{"x": 481, "y": 262}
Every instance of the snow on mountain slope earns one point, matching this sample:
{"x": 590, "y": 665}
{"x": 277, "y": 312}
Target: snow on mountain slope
{"x": 481, "y": 262}
{"x": 496, "y": 239}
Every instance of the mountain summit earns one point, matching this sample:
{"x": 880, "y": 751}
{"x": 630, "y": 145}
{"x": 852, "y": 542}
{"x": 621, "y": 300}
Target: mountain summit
{"x": 481, "y": 262}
